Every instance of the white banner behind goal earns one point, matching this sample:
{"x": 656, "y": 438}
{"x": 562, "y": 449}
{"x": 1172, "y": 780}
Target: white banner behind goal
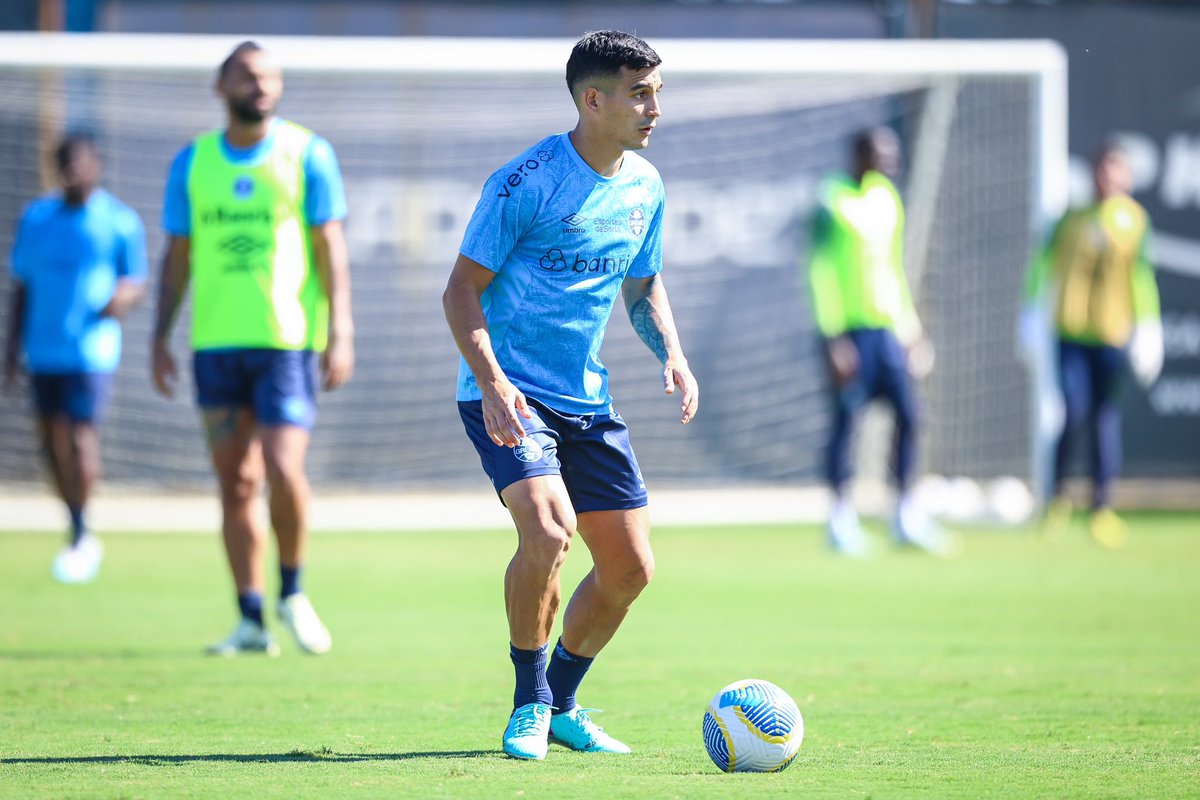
{"x": 749, "y": 127}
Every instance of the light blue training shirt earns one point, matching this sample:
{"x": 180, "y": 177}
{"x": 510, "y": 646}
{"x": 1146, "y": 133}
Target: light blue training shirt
{"x": 324, "y": 193}
{"x": 561, "y": 239}
{"x": 69, "y": 259}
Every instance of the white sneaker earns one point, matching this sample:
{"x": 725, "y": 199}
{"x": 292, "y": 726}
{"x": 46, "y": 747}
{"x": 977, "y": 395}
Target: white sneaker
{"x": 845, "y": 533}
{"x": 914, "y": 528}
{"x": 79, "y": 564}
{"x": 298, "y": 615}
{"x": 247, "y": 637}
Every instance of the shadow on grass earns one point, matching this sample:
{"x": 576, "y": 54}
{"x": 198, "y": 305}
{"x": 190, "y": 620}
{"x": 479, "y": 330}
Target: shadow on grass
{"x": 294, "y": 757}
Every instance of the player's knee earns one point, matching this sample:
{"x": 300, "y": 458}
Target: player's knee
{"x": 240, "y": 488}
{"x": 546, "y": 535}
{"x": 629, "y": 584}
{"x": 639, "y": 577}
{"x": 282, "y": 470}
{"x": 547, "y": 543}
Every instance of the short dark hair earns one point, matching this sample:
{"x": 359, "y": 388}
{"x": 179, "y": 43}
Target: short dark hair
{"x": 71, "y": 145}
{"x": 1111, "y": 146}
{"x": 604, "y": 53}
{"x": 868, "y": 139}
{"x": 248, "y": 46}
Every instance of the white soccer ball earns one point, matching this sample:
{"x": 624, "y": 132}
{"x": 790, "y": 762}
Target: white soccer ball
{"x": 1010, "y": 500}
{"x": 753, "y": 726}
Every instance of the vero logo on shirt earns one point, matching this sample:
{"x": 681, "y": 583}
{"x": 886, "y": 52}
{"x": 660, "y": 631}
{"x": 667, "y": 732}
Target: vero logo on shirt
{"x": 555, "y": 260}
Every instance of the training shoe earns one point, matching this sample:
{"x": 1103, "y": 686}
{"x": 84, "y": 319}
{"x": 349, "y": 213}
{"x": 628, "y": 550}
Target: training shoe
{"x": 575, "y": 729}
{"x": 310, "y": 633}
{"x": 914, "y": 528}
{"x": 527, "y": 733}
{"x": 247, "y": 637}
{"x": 79, "y": 564}
{"x": 1057, "y": 518}
{"x": 845, "y": 534}
{"x": 1107, "y": 529}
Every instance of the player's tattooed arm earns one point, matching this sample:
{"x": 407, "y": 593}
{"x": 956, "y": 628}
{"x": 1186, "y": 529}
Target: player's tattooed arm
{"x": 647, "y": 316}
{"x": 650, "y": 313}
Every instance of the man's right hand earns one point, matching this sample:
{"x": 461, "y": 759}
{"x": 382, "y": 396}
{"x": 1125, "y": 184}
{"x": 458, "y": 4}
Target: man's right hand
{"x": 163, "y": 368}
{"x": 843, "y": 359}
{"x": 503, "y": 407}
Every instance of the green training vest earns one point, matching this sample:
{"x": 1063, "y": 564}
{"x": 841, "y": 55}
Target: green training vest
{"x": 254, "y": 281}
{"x": 856, "y": 270}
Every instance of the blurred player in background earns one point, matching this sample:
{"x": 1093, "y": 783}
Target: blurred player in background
{"x": 872, "y": 336}
{"x": 254, "y": 216}
{"x": 558, "y": 233}
{"x": 1095, "y": 277}
{"x": 79, "y": 266}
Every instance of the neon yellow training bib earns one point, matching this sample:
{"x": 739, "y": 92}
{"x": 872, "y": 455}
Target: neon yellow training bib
{"x": 254, "y": 281}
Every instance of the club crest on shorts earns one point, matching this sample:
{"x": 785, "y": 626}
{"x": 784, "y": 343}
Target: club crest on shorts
{"x": 528, "y": 450}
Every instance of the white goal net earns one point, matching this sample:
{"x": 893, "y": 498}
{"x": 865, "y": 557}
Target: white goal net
{"x": 749, "y": 128}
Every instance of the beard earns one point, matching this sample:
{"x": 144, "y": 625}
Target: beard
{"x": 246, "y": 111}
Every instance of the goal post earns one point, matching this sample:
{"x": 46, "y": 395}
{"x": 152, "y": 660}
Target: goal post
{"x": 748, "y": 130}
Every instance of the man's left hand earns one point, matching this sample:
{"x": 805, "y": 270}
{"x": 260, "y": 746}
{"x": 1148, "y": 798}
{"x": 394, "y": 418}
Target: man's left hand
{"x": 920, "y": 358}
{"x": 678, "y": 374}
{"x": 337, "y": 362}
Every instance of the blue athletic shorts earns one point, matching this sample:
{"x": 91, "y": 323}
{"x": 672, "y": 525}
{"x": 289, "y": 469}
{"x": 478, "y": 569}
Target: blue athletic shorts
{"x": 591, "y": 452}
{"x": 81, "y": 396}
{"x": 280, "y": 385}
{"x": 882, "y": 372}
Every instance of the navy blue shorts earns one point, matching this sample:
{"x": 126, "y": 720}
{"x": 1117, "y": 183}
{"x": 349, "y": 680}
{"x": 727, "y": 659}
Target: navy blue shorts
{"x": 882, "y": 372}
{"x": 81, "y": 396}
{"x": 591, "y": 452}
{"x": 280, "y": 385}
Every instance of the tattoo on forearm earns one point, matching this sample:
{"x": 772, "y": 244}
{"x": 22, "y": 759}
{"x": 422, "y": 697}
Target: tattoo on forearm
{"x": 648, "y": 326}
{"x": 220, "y": 424}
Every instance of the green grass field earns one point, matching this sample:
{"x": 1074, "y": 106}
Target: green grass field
{"x": 1022, "y": 669}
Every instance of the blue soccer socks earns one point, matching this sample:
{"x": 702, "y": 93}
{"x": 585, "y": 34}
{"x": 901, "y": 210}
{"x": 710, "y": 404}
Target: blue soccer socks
{"x": 78, "y": 527}
{"x": 251, "y": 606}
{"x": 530, "y": 667}
{"x": 289, "y": 581}
{"x": 564, "y": 675}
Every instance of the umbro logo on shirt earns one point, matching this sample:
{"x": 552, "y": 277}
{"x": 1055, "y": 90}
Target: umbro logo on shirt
{"x": 575, "y": 223}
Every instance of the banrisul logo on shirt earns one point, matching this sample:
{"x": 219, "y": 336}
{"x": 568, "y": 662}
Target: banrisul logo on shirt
{"x": 555, "y": 260}
{"x": 243, "y": 187}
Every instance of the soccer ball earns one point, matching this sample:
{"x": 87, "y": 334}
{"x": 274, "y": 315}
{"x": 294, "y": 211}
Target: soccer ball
{"x": 753, "y": 726}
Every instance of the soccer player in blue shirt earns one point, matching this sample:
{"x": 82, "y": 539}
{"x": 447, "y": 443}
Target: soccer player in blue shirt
{"x": 79, "y": 266}
{"x": 558, "y": 233}
{"x": 254, "y": 214}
